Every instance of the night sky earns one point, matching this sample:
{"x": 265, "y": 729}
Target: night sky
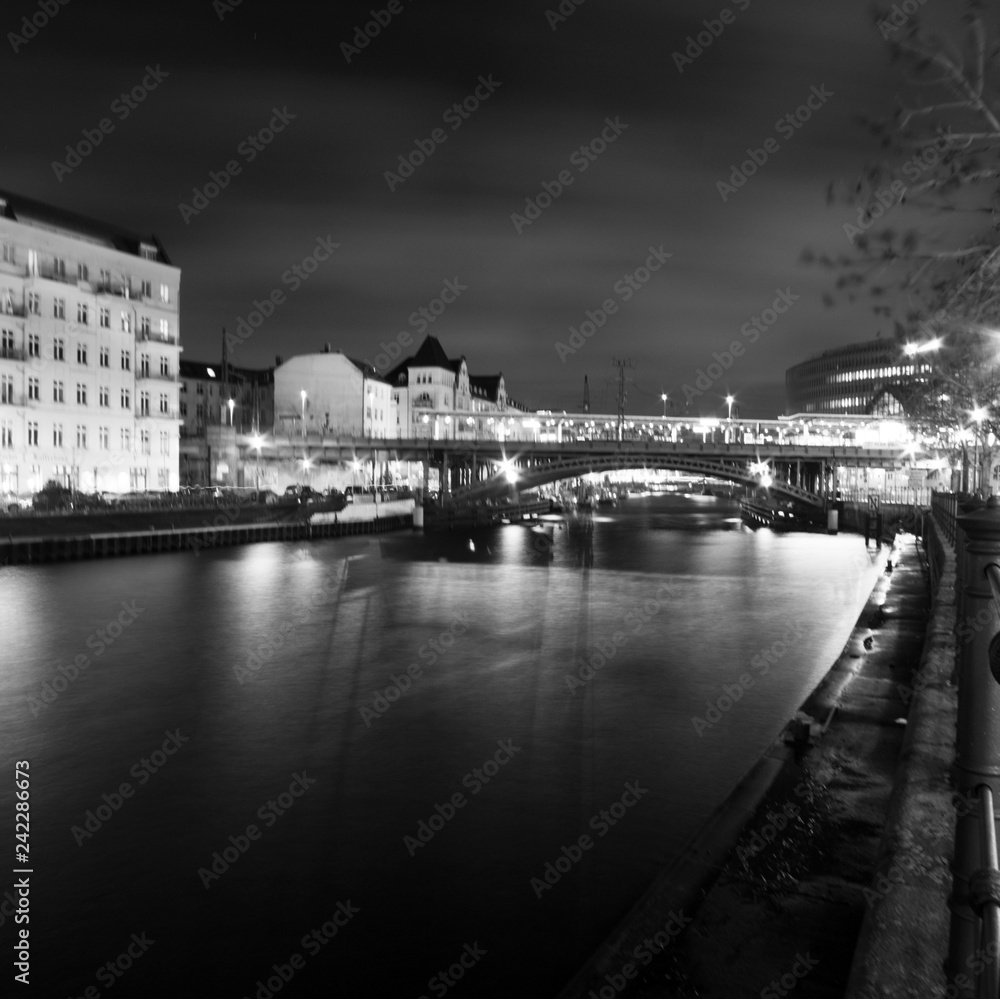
{"x": 552, "y": 91}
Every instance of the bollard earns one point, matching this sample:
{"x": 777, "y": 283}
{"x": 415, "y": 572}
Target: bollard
{"x": 977, "y": 742}
{"x": 418, "y": 517}
{"x": 832, "y": 517}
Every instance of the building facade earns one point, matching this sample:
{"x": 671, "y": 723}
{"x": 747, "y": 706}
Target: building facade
{"x": 435, "y": 397}
{"x": 218, "y": 401}
{"x": 872, "y": 379}
{"x": 205, "y": 392}
{"x": 330, "y": 394}
{"x": 89, "y": 354}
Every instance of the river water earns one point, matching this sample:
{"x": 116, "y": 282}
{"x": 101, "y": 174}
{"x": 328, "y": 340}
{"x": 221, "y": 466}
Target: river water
{"x": 389, "y": 839}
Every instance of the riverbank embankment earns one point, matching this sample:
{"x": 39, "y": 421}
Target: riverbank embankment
{"x": 58, "y": 539}
{"x": 826, "y": 870}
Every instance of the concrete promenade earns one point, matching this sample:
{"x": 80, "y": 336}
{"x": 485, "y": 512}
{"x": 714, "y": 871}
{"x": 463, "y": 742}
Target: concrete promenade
{"x": 827, "y": 875}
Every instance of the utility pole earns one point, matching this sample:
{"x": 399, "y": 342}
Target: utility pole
{"x": 621, "y": 364}
{"x": 225, "y": 376}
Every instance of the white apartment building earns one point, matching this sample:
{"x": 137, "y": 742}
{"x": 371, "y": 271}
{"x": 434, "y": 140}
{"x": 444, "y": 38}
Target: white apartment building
{"x": 436, "y": 397}
{"x": 330, "y": 394}
{"x": 89, "y": 354}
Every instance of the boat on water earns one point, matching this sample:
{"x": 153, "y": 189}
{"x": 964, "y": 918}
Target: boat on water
{"x": 607, "y": 498}
{"x": 777, "y": 516}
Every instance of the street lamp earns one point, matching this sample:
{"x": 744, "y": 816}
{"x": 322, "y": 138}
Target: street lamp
{"x": 257, "y": 442}
{"x": 232, "y": 405}
{"x": 978, "y": 413}
{"x": 663, "y": 396}
{"x": 729, "y": 402}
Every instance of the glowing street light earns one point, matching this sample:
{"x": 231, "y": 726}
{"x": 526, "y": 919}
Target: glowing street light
{"x": 978, "y": 414}
{"x": 663, "y": 396}
{"x": 912, "y": 349}
{"x": 507, "y": 468}
{"x": 232, "y": 405}
{"x": 729, "y": 402}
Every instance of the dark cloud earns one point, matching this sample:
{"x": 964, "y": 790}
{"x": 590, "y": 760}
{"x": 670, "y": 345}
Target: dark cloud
{"x": 656, "y": 184}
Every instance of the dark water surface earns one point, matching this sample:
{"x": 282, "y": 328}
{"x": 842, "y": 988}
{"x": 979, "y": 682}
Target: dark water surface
{"x": 693, "y": 599}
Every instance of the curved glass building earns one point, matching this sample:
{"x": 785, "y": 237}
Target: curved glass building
{"x": 871, "y": 379}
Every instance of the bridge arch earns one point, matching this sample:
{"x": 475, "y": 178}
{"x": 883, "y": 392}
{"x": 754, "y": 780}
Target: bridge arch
{"x": 542, "y": 473}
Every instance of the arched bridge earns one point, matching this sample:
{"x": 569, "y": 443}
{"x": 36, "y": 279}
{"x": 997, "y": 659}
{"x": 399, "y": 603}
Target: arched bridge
{"x": 478, "y": 461}
{"x": 534, "y": 463}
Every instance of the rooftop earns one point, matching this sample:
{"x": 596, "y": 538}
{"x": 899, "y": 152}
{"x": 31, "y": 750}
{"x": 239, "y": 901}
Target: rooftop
{"x": 27, "y": 211}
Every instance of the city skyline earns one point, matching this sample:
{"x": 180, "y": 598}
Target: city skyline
{"x": 581, "y": 184}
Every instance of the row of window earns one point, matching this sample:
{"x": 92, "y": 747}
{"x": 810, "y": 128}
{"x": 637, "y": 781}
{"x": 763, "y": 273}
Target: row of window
{"x": 56, "y": 266}
{"x": 83, "y": 313}
{"x": 143, "y": 439}
{"x": 7, "y": 396}
{"x": 893, "y": 371}
{"x": 8, "y": 349}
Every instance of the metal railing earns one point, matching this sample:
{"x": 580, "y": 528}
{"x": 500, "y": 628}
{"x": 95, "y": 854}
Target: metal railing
{"x": 944, "y": 507}
{"x": 974, "y": 944}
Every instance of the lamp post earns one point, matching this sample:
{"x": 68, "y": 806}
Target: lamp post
{"x": 256, "y": 442}
{"x": 232, "y": 405}
{"x": 977, "y": 413}
{"x": 729, "y": 402}
{"x": 663, "y": 397}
